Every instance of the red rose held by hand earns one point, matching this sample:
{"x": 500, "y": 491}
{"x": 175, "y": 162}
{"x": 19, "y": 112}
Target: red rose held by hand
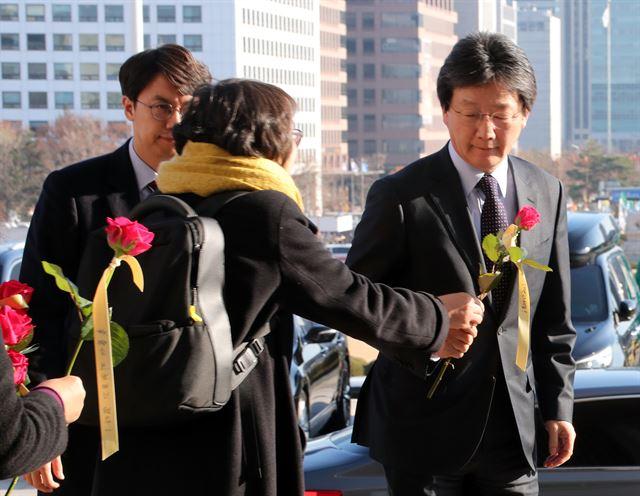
{"x": 16, "y": 325}
{"x": 127, "y": 237}
{"x": 527, "y": 217}
{"x": 11, "y": 288}
{"x": 20, "y": 364}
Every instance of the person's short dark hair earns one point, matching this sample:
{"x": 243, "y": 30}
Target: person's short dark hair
{"x": 245, "y": 117}
{"x": 174, "y": 62}
{"x": 481, "y": 58}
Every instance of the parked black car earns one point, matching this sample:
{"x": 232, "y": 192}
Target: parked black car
{"x": 320, "y": 377}
{"x": 606, "y": 460}
{"x": 604, "y": 299}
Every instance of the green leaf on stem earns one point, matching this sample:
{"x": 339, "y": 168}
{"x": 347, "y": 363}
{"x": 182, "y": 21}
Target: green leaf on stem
{"x": 86, "y": 329}
{"x": 515, "y": 254}
{"x": 67, "y": 286}
{"x": 536, "y": 265}
{"x": 488, "y": 281}
{"x": 119, "y": 343}
{"x": 491, "y": 247}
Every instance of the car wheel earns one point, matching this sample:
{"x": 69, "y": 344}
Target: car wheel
{"x": 342, "y": 416}
{"x": 303, "y": 413}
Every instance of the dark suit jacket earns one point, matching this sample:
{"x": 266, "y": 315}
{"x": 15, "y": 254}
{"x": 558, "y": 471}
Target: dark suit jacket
{"x": 416, "y": 232}
{"x": 74, "y": 201}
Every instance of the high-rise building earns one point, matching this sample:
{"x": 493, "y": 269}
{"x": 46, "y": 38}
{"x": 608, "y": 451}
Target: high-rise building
{"x": 498, "y": 16}
{"x": 539, "y": 35}
{"x": 394, "y": 53}
{"x": 333, "y": 75}
{"x": 587, "y": 80}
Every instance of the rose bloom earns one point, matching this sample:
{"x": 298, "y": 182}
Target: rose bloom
{"x": 127, "y": 237}
{"x": 12, "y": 287}
{"x": 16, "y": 325}
{"x": 20, "y": 364}
{"x": 527, "y": 217}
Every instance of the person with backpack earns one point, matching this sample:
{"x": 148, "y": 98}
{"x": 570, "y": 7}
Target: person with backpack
{"x": 238, "y": 136}
{"x": 75, "y": 200}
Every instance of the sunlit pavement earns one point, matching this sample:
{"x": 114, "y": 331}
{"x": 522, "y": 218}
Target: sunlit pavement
{"x": 22, "y": 489}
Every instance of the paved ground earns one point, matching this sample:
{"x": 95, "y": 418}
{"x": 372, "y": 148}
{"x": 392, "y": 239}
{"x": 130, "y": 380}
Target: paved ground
{"x": 22, "y": 489}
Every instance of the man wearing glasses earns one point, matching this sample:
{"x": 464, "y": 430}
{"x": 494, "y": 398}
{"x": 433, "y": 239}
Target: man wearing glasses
{"x": 76, "y": 200}
{"x": 422, "y": 229}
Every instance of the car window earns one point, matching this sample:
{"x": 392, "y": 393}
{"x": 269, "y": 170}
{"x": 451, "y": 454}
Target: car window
{"x": 629, "y": 283}
{"x": 15, "y": 271}
{"x": 588, "y": 295}
{"x": 616, "y": 280}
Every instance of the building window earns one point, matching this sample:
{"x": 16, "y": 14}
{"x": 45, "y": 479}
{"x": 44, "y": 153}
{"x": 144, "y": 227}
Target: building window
{"x": 400, "y": 45}
{"x": 38, "y": 126}
{"x": 368, "y": 21}
{"x": 63, "y": 70}
{"x": 145, "y": 13}
{"x": 37, "y": 99}
{"x": 368, "y": 97}
{"x": 370, "y": 147}
{"x": 354, "y": 149}
{"x": 112, "y": 71}
{"x": 62, "y": 42}
{"x": 146, "y": 41}
{"x": 369, "y": 122}
{"x": 166, "y": 13}
{"x": 114, "y": 13}
{"x": 61, "y": 12}
{"x": 9, "y": 41}
{"x": 88, "y": 42}
{"x": 352, "y": 72}
{"x": 350, "y": 20}
{"x": 368, "y": 46}
{"x": 400, "y": 71}
{"x": 63, "y": 100}
{"x": 114, "y": 100}
{"x": 352, "y": 122}
{"x": 400, "y": 20}
{"x": 11, "y": 70}
{"x": 90, "y": 100}
{"x": 35, "y": 12}
{"x": 193, "y": 42}
{"x": 89, "y": 72}
{"x": 11, "y": 100}
{"x": 369, "y": 71}
{"x": 36, "y": 42}
{"x": 402, "y": 146}
{"x": 164, "y": 39}
{"x": 401, "y": 96}
{"x": 351, "y": 46}
{"x": 352, "y": 97}
{"x": 37, "y": 70}
{"x": 401, "y": 121}
{"x": 191, "y": 13}
{"x": 8, "y": 11}
{"x": 88, "y": 13}
{"x": 114, "y": 42}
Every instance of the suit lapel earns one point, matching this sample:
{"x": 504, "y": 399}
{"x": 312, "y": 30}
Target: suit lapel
{"x": 526, "y": 194}
{"x": 446, "y": 194}
{"x": 122, "y": 186}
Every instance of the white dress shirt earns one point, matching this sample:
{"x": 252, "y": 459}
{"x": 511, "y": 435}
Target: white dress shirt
{"x": 470, "y": 176}
{"x": 144, "y": 172}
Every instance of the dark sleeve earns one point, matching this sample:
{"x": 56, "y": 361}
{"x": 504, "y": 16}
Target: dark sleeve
{"x": 552, "y": 333}
{"x": 32, "y": 429}
{"x": 52, "y": 237}
{"x": 379, "y": 239}
{"x": 318, "y": 287}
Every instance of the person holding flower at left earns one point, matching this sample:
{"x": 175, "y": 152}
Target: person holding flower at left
{"x": 33, "y": 428}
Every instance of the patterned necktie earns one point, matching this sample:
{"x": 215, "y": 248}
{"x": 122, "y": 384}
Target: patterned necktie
{"x": 152, "y": 187}
{"x": 492, "y": 220}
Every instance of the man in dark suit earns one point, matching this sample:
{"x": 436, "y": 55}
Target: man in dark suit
{"x": 421, "y": 229}
{"x": 76, "y": 200}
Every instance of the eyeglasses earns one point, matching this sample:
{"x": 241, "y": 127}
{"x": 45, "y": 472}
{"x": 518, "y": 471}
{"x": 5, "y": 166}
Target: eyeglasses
{"x": 297, "y": 135}
{"x": 501, "y": 120}
{"x": 163, "y": 111}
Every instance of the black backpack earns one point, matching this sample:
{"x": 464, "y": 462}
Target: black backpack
{"x": 177, "y": 367}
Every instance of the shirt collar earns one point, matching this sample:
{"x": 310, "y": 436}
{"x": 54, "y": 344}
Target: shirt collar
{"x": 470, "y": 176}
{"x": 144, "y": 172}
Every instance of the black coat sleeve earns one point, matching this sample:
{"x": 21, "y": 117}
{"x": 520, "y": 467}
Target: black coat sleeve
{"x": 52, "y": 237}
{"x": 32, "y": 429}
{"x": 318, "y": 287}
{"x": 552, "y": 333}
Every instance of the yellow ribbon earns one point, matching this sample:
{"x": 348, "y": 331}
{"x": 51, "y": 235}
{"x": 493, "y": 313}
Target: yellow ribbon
{"x": 524, "y": 310}
{"x": 104, "y": 360}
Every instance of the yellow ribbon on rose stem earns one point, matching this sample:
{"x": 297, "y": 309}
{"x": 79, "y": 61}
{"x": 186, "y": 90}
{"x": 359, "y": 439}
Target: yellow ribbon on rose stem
{"x": 104, "y": 360}
{"x": 524, "y": 315}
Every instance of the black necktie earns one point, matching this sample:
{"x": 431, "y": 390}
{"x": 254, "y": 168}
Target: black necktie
{"x": 152, "y": 187}
{"x": 492, "y": 220}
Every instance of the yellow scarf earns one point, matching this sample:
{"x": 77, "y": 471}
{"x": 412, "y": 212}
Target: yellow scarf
{"x": 205, "y": 169}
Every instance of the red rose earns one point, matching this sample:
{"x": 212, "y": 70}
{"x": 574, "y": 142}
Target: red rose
{"x": 16, "y": 325}
{"x": 20, "y": 364}
{"x": 527, "y": 217}
{"x": 11, "y": 288}
{"x": 127, "y": 237}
